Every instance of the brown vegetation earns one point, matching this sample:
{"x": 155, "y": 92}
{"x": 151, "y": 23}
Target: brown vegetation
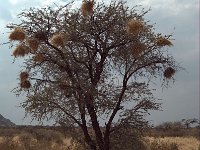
{"x": 17, "y": 34}
{"x": 87, "y": 8}
{"x": 39, "y": 57}
{"x": 20, "y": 51}
{"x": 23, "y": 76}
{"x": 173, "y": 143}
{"x": 53, "y": 138}
{"x": 33, "y": 44}
{"x": 169, "y": 72}
{"x": 25, "y": 84}
{"x": 135, "y": 26}
{"x": 163, "y": 42}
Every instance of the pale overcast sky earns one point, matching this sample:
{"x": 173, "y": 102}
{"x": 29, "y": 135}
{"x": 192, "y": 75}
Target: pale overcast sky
{"x": 180, "y": 17}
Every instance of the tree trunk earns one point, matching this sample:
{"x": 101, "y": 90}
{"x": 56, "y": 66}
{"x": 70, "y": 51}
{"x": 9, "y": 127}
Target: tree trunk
{"x": 96, "y": 127}
{"x": 88, "y": 139}
{"x": 95, "y": 123}
{"x": 106, "y": 141}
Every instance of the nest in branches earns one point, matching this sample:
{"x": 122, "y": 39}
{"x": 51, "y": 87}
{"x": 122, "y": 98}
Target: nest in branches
{"x": 17, "y": 34}
{"x": 41, "y": 35}
{"x": 25, "y": 84}
{"x": 20, "y": 51}
{"x": 39, "y": 57}
{"x": 138, "y": 50}
{"x": 163, "y": 42}
{"x": 87, "y": 8}
{"x": 63, "y": 84}
{"x": 135, "y": 26}
{"x": 58, "y": 39}
{"x": 33, "y": 44}
{"x": 169, "y": 72}
{"x": 24, "y": 76}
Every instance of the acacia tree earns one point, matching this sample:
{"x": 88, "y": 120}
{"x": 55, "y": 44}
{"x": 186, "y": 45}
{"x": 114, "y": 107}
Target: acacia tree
{"x": 90, "y": 63}
{"x": 188, "y": 122}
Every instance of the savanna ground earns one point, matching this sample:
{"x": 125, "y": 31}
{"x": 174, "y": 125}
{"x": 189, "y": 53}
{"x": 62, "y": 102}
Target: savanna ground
{"x": 56, "y": 138}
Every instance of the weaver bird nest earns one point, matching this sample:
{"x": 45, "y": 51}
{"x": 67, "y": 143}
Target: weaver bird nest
{"x": 17, "y": 34}
{"x": 169, "y": 72}
{"x": 39, "y": 57}
{"x": 24, "y": 76}
{"x": 33, "y": 44}
{"x": 87, "y": 8}
{"x": 25, "y": 84}
{"x": 163, "y": 42}
{"x": 138, "y": 50}
{"x": 134, "y": 27}
{"x": 41, "y": 35}
{"x": 21, "y": 50}
{"x": 58, "y": 39}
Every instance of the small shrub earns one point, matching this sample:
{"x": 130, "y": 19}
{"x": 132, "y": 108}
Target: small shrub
{"x": 128, "y": 139}
{"x": 49, "y": 135}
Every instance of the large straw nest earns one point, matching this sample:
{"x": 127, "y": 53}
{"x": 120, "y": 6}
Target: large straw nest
{"x": 17, "y": 34}
{"x": 33, "y": 44}
{"x": 24, "y": 76}
{"x": 41, "y": 36}
{"x": 25, "y": 84}
{"x": 87, "y": 8}
{"x": 169, "y": 72}
{"x": 39, "y": 57}
{"x": 58, "y": 39}
{"x": 163, "y": 42}
{"x": 138, "y": 49}
{"x": 63, "y": 84}
{"x": 21, "y": 50}
{"x": 135, "y": 27}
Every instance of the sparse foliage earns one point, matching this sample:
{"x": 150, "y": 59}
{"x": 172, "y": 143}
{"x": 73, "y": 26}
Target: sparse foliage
{"x": 189, "y": 122}
{"x": 91, "y": 63}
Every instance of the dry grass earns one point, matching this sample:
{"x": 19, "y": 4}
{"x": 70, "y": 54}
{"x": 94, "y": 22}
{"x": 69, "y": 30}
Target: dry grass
{"x": 35, "y": 138}
{"x": 1, "y": 140}
{"x": 23, "y": 143}
{"x": 48, "y": 139}
{"x": 183, "y": 143}
{"x": 165, "y": 143}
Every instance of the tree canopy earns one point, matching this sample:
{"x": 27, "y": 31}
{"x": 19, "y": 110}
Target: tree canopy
{"x": 82, "y": 65}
